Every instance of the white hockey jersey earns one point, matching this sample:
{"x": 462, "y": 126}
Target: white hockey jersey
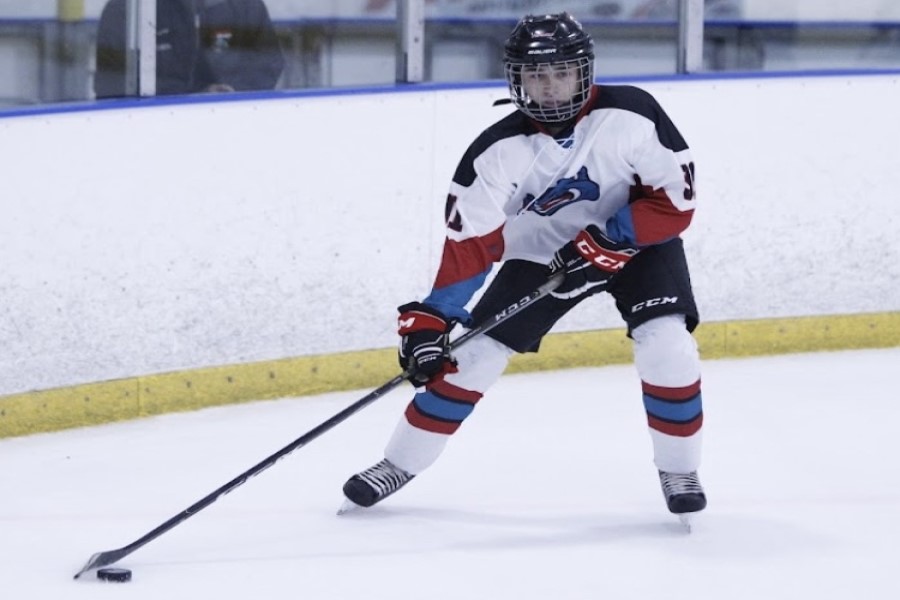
{"x": 521, "y": 193}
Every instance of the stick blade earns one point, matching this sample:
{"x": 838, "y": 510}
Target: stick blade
{"x": 101, "y": 559}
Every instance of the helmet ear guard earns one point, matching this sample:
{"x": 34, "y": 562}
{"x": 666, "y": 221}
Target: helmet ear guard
{"x": 558, "y": 40}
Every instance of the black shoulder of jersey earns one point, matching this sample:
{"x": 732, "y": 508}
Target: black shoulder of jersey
{"x": 511, "y": 125}
{"x": 636, "y": 100}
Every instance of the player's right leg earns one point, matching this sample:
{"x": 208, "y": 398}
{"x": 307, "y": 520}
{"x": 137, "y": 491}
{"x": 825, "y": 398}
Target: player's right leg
{"x": 438, "y": 410}
{"x": 435, "y": 413}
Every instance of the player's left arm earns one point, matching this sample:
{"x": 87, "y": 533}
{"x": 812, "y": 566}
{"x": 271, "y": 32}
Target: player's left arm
{"x": 662, "y": 196}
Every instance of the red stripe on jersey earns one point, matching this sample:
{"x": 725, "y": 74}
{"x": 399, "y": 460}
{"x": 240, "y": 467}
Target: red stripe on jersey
{"x": 672, "y": 394}
{"x": 468, "y": 258}
{"x": 448, "y": 390}
{"x": 656, "y": 219}
{"x": 676, "y": 429}
{"x": 420, "y": 421}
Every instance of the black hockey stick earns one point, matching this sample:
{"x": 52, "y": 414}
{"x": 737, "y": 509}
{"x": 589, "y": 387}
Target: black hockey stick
{"x": 102, "y": 559}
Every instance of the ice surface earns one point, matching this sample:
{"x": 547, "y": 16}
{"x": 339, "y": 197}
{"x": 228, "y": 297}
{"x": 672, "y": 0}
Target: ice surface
{"x": 547, "y": 492}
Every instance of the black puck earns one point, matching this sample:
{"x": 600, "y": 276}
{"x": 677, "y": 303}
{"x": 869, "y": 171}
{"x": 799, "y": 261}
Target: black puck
{"x": 114, "y": 574}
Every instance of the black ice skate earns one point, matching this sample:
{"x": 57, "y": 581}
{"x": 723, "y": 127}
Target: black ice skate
{"x": 373, "y": 485}
{"x": 684, "y": 494}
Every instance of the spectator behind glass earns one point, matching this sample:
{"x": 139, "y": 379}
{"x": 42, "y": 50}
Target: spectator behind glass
{"x": 201, "y": 46}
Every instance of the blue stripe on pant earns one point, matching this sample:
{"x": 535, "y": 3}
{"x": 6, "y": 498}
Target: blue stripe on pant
{"x": 680, "y": 411}
{"x": 438, "y": 407}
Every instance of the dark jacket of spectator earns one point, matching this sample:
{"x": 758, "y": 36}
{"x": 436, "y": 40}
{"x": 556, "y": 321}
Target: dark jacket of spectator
{"x": 201, "y": 46}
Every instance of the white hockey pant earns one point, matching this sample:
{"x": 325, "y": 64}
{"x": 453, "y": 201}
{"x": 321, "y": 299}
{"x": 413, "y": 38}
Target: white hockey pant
{"x": 419, "y": 439}
{"x": 668, "y": 364}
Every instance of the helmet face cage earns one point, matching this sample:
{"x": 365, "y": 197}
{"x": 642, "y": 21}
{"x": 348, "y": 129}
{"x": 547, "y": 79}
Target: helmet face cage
{"x": 555, "y": 42}
{"x": 584, "y": 68}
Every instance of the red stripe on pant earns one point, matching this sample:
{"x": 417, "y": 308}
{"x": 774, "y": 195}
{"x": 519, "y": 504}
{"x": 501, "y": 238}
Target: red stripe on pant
{"x": 676, "y": 429}
{"x": 672, "y": 393}
{"x": 440, "y": 389}
{"x": 417, "y": 419}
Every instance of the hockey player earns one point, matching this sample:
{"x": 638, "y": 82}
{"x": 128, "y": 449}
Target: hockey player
{"x": 591, "y": 180}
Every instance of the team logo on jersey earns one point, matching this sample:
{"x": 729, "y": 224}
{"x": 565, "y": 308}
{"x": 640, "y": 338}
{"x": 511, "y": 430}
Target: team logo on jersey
{"x": 567, "y": 191}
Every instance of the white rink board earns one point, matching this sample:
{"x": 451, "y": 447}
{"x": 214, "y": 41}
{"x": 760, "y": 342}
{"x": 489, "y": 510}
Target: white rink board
{"x": 146, "y": 240}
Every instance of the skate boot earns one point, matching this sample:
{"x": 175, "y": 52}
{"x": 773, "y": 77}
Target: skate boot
{"x": 374, "y": 485}
{"x": 683, "y": 492}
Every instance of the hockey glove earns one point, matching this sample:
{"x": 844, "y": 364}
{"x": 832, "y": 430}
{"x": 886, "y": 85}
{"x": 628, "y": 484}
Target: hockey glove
{"x": 589, "y": 261}
{"x": 424, "y": 342}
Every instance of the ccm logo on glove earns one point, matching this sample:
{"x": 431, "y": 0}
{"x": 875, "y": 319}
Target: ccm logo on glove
{"x": 589, "y": 262}
{"x": 610, "y": 260}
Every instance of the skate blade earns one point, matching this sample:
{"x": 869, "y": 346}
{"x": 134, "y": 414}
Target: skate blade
{"x": 347, "y": 507}
{"x": 686, "y": 521}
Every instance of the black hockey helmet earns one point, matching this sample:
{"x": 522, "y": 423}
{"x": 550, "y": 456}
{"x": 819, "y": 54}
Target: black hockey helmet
{"x": 556, "y": 39}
